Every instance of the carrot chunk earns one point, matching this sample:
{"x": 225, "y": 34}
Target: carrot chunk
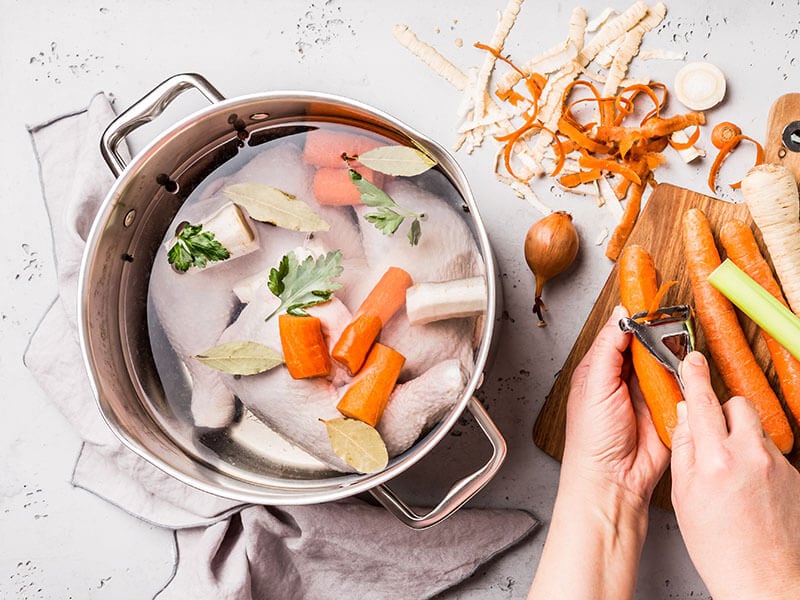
{"x": 369, "y": 392}
{"x": 324, "y": 148}
{"x": 333, "y": 186}
{"x": 352, "y": 347}
{"x": 638, "y": 290}
{"x": 388, "y": 295}
{"x": 385, "y": 299}
{"x": 304, "y": 349}
{"x": 726, "y": 341}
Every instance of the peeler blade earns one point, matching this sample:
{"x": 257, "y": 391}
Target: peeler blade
{"x": 669, "y": 336}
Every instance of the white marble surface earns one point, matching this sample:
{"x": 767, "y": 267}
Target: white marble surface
{"x": 62, "y": 542}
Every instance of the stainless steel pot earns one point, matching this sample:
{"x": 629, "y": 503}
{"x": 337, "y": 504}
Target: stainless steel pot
{"x": 116, "y": 265}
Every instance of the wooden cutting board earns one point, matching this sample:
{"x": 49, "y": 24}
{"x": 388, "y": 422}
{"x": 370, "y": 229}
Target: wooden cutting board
{"x": 658, "y": 230}
{"x": 785, "y": 111}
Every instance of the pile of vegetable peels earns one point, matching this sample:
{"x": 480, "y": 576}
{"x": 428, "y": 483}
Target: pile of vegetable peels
{"x": 537, "y": 111}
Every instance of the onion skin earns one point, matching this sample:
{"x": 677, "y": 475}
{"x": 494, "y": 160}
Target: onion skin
{"x": 551, "y": 246}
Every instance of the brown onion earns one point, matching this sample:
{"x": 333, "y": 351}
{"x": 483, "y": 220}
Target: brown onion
{"x": 551, "y": 246}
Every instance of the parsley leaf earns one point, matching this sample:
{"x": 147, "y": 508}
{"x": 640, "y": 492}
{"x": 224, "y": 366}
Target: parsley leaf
{"x": 371, "y": 195}
{"x": 300, "y": 285}
{"x": 389, "y": 216}
{"x": 194, "y": 248}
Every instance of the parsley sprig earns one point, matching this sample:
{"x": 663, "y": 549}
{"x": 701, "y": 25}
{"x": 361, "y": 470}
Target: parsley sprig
{"x": 300, "y": 285}
{"x": 389, "y": 215}
{"x": 195, "y": 248}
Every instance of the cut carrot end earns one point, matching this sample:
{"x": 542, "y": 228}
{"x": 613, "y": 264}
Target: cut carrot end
{"x": 304, "y": 349}
{"x": 356, "y": 341}
{"x": 324, "y": 147}
{"x": 333, "y": 186}
{"x": 369, "y": 392}
{"x": 388, "y": 295}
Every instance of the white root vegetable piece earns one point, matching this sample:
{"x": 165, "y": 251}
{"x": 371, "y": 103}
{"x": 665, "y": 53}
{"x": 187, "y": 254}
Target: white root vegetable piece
{"x": 231, "y": 229}
{"x": 699, "y": 85}
{"x": 687, "y": 154}
{"x": 770, "y": 192}
{"x": 247, "y": 288}
{"x": 436, "y": 301}
{"x": 428, "y": 54}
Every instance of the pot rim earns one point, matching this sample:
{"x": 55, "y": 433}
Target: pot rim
{"x": 308, "y": 491}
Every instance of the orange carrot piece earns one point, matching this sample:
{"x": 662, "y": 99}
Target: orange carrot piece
{"x": 741, "y": 246}
{"x": 324, "y": 147}
{"x": 654, "y": 127}
{"x": 385, "y": 299}
{"x": 607, "y": 164}
{"x": 333, "y": 186}
{"x": 623, "y": 229}
{"x": 369, "y": 392}
{"x": 724, "y": 336}
{"x": 304, "y": 349}
{"x": 574, "y": 179}
{"x": 352, "y": 347}
{"x": 388, "y": 295}
{"x": 726, "y": 149}
{"x": 638, "y": 290}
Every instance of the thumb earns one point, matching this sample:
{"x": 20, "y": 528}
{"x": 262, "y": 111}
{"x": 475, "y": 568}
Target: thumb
{"x": 682, "y": 441}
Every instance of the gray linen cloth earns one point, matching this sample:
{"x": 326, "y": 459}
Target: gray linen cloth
{"x": 226, "y": 550}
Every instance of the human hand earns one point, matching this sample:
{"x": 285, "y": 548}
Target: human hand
{"x": 735, "y": 495}
{"x": 611, "y": 442}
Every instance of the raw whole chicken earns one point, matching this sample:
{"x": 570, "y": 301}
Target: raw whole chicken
{"x": 199, "y": 309}
{"x": 183, "y": 301}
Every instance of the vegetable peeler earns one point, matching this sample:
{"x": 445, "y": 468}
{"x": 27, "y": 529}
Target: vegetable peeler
{"x": 669, "y": 337}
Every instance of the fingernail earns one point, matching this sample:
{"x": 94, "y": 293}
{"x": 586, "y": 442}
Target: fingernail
{"x": 619, "y": 312}
{"x": 681, "y": 409}
{"x": 697, "y": 359}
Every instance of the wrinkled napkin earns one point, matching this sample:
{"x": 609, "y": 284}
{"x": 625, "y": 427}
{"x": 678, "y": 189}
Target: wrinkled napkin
{"x": 226, "y": 550}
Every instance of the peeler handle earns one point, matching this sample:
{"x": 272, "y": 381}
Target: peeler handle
{"x": 461, "y": 491}
{"x": 146, "y": 109}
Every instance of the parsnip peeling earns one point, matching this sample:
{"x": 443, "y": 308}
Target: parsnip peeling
{"x": 522, "y": 115}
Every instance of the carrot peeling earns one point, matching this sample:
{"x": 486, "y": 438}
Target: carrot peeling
{"x": 742, "y": 249}
{"x": 723, "y": 153}
{"x": 724, "y": 337}
{"x": 369, "y": 392}
{"x": 304, "y": 349}
{"x": 623, "y": 230}
{"x": 639, "y": 292}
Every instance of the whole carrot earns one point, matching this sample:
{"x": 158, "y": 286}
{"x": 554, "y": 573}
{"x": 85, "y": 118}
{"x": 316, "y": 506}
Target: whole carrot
{"x": 638, "y": 289}
{"x": 369, "y": 392}
{"x": 304, "y": 349}
{"x": 724, "y": 336}
{"x": 741, "y": 246}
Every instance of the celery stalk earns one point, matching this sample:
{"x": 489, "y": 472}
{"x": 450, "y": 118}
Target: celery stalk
{"x": 758, "y": 304}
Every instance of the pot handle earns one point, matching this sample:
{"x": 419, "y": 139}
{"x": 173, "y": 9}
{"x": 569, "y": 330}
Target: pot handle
{"x": 461, "y": 491}
{"x": 146, "y": 109}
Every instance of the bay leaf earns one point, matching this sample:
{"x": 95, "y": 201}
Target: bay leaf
{"x": 270, "y": 205}
{"x": 358, "y": 444}
{"x": 241, "y": 358}
{"x": 397, "y": 160}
